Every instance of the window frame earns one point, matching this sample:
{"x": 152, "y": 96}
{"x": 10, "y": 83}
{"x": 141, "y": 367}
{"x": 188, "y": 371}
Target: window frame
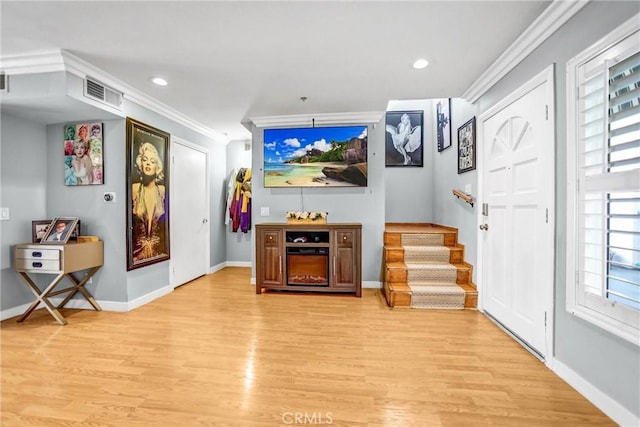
{"x": 608, "y": 315}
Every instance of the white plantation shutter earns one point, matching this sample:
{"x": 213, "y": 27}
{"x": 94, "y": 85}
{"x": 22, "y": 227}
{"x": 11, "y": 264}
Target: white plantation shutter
{"x": 603, "y": 250}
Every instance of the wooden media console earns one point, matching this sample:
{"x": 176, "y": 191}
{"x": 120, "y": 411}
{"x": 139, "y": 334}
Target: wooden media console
{"x": 309, "y": 257}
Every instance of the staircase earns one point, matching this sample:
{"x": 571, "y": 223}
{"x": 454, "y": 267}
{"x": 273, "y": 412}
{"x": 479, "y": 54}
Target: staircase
{"x": 424, "y": 267}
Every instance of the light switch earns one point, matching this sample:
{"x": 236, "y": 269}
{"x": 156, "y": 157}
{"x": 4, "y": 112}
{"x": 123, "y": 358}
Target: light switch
{"x": 264, "y": 211}
{"x": 4, "y": 214}
{"x": 467, "y": 188}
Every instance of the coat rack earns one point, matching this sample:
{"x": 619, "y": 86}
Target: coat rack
{"x": 460, "y": 195}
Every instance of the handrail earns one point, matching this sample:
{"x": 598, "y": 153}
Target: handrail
{"x": 460, "y": 195}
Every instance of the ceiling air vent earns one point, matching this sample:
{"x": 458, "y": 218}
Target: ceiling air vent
{"x": 102, "y": 93}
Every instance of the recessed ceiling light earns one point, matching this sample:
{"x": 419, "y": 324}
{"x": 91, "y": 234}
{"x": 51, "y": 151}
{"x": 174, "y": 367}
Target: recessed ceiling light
{"x": 420, "y": 64}
{"x": 159, "y": 81}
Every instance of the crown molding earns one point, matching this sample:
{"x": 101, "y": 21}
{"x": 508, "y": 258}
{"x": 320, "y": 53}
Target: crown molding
{"x": 62, "y": 60}
{"x": 318, "y": 119}
{"x": 552, "y": 18}
{"x": 83, "y": 69}
{"x": 35, "y": 63}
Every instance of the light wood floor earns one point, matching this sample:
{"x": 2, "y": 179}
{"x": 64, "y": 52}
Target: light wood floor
{"x": 212, "y": 353}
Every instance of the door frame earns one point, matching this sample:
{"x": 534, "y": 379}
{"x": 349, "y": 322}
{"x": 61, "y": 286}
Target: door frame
{"x": 546, "y": 76}
{"x": 207, "y": 249}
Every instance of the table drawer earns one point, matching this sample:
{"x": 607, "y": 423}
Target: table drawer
{"x": 38, "y": 254}
{"x": 32, "y": 264}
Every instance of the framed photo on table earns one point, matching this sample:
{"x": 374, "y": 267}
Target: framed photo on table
{"x": 60, "y": 230}
{"x": 40, "y": 227}
{"x": 147, "y": 194}
{"x": 467, "y": 146}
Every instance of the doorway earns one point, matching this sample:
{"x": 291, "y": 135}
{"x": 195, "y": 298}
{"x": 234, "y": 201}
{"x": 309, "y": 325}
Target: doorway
{"x": 189, "y": 212}
{"x": 516, "y": 185}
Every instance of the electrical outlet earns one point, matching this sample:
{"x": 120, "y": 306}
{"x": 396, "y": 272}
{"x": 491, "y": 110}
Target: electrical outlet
{"x": 4, "y": 214}
{"x": 264, "y": 211}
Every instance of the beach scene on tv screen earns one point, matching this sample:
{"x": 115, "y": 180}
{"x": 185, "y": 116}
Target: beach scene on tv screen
{"x": 316, "y": 157}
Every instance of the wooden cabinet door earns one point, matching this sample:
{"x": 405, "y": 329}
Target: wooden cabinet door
{"x": 269, "y": 255}
{"x": 345, "y": 273}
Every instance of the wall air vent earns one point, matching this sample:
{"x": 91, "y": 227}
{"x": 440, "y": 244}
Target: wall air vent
{"x": 99, "y": 92}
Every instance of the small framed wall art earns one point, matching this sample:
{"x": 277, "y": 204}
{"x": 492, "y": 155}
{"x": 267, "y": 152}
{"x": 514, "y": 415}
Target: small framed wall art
{"x": 467, "y": 146}
{"x": 403, "y": 142}
{"x": 83, "y": 160}
{"x": 443, "y": 123}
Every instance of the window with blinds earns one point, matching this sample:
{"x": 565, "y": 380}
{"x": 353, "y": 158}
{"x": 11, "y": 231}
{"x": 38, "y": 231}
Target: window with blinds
{"x": 603, "y": 250}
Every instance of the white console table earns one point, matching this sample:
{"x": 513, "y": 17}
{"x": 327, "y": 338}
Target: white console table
{"x": 58, "y": 261}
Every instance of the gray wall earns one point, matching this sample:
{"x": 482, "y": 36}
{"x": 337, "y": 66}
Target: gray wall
{"x": 448, "y": 209}
{"x": 239, "y": 247}
{"x": 23, "y": 168}
{"x": 35, "y": 190}
{"x": 604, "y": 360}
{"x": 363, "y": 205}
{"x": 409, "y": 190}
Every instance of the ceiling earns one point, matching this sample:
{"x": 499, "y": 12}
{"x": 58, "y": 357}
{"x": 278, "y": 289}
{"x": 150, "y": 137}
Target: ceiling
{"x": 229, "y": 61}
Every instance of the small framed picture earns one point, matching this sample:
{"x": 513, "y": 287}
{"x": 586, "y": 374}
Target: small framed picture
{"x": 60, "y": 230}
{"x": 443, "y": 122}
{"x": 467, "y": 146}
{"x": 38, "y": 229}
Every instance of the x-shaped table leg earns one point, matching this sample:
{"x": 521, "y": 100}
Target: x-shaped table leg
{"x": 78, "y": 286}
{"x": 41, "y": 297}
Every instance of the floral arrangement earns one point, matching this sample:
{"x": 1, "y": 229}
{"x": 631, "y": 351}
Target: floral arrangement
{"x": 307, "y": 215}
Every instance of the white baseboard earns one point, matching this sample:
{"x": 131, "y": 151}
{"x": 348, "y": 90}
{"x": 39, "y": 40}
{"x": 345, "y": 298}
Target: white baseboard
{"x": 83, "y": 304}
{"x": 13, "y": 311}
{"x": 217, "y": 267}
{"x": 238, "y": 263}
{"x": 229, "y": 264}
{"x": 371, "y": 284}
{"x": 618, "y": 413}
{"x": 145, "y": 299}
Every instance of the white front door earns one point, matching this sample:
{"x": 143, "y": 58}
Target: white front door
{"x": 189, "y": 213}
{"x": 517, "y": 184}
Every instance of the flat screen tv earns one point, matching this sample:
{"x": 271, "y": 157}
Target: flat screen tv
{"x": 334, "y": 156}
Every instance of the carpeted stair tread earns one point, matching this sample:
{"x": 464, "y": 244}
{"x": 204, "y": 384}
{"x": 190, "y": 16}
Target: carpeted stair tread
{"x": 422, "y": 240}
{"x": 427, "y": 274}
{"x": 439, "y": 305}
{"x": 431, "y": 283}
{"x": 441, "y": 289}
{"x": 437, "y": 272}
{"x": 416, "y": 254}
{"x": 444, "y": 297}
